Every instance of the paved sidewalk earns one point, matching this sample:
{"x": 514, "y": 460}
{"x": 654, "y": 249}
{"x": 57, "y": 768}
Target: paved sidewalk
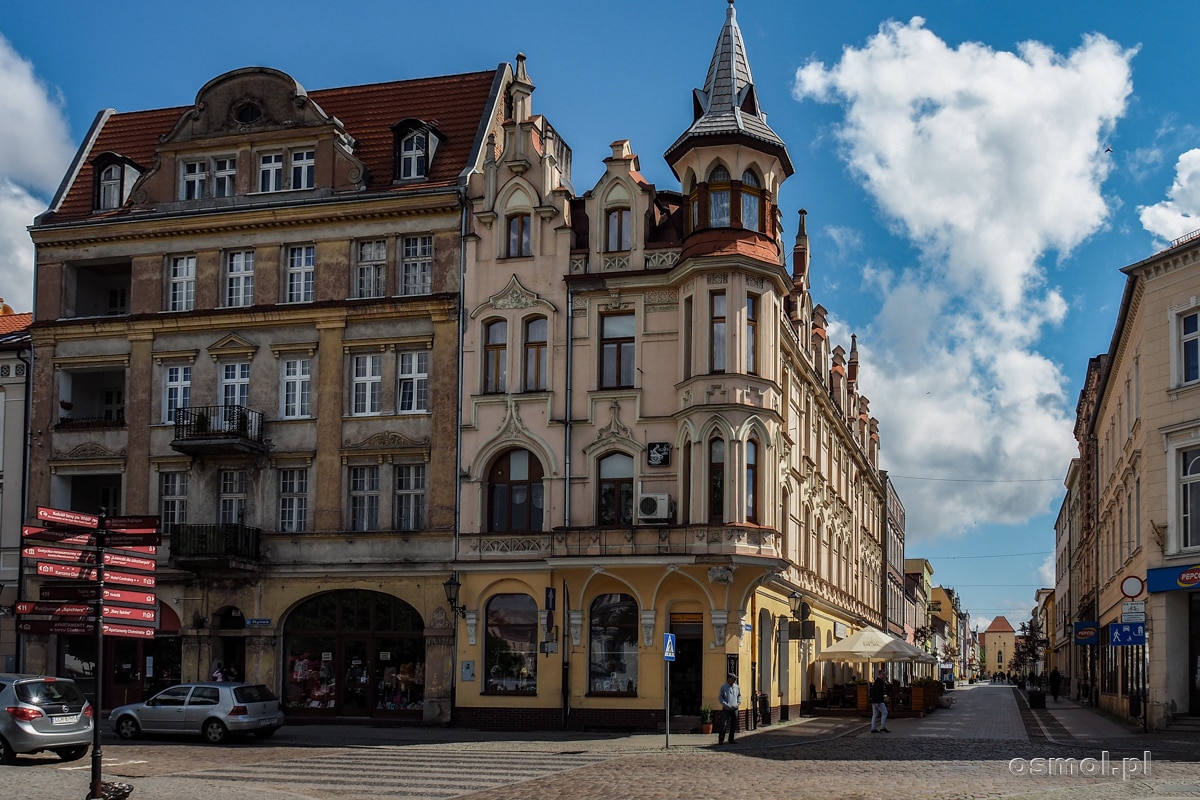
{"x": 979, "y": 711}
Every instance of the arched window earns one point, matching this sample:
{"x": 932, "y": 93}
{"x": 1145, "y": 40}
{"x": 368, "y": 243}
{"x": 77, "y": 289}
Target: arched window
{"x": 518, "y": 235}
{"x": 535, "y": 354}
{"x": 110, "y": 187}
{"x": 615, "y": 500}
{"x": 613, "y": 645}
{"x": 618, "y": 228}
{"x": 413, "y": 150}
{"x": 752, "y": 487}
{"x": 718, "y": 197}
{"x": 510, "y": 650}
{"x": 751, "y": 201}
{"x": 716, "y": 480}
{"x": 495, "y": 357}
{"x": 515, "y": 493}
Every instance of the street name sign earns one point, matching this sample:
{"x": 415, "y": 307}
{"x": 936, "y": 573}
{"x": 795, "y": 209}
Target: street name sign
{"x": 150, "y": 523}
{"x": 60, "y": 554}
{"x": 129, "y": 579}
{"x": 129, "y": 596}
{"x": 57, "y": 609}
{"x": 59, "y": 516}
{"x": 130, "y": 562}
{"x": 57, "y": 535}
{"x": 128, "y": 631}
{"x": 129, "y": 614}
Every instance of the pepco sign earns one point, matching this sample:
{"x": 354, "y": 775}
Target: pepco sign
{"x": 1173, "y": 579}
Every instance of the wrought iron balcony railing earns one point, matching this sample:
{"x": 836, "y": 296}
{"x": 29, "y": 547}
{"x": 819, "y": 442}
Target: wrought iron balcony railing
{"x": 216, "y": 541}
{"x": 200, "y": 429}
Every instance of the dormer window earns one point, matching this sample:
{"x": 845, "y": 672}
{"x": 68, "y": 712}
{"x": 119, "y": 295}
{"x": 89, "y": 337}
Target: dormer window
{"x": 110, "y": 187}
{"x": 114, "y": 177}
{"x": 206, "y": 176}
{"x": 618, "y": 229}
{"x": 195, "y": 179}
{"x": 304, "y": 167}
{"x": 415, "y": 142}
{"x": 718, "y": 198}
{"x": 270, "y": 172}
{"x": 412, "y": 156}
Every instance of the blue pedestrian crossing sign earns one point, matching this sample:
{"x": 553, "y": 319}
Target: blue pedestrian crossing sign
{"x": 668, "y": 647}
{"x": 1126, "y": 634}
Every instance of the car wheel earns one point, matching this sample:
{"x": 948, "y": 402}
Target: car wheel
{"x": 128, "y": 728}
{"x": 214, "y": 731}
{"x": 7, "y": 756}
{"x": 71, "y": 753}
{"x": 265, "y": 733}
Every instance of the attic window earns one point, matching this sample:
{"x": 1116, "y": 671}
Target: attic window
{"x": 415, "y": 143}
{"x": 247, "y": 113}
{"x": 114, "y": 177}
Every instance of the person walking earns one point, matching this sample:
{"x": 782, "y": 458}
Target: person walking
{"x": 878, "y": 699}
{"x": 1055, "y": 683}
{"x": 730, "y": 698}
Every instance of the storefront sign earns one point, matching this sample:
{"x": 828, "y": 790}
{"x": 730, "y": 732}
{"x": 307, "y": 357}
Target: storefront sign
{"x": 1087, "y": 633}
{"x": 839, "y": 630}
{"x": 1173, "y": 579}
{"x": 658, "y": 454}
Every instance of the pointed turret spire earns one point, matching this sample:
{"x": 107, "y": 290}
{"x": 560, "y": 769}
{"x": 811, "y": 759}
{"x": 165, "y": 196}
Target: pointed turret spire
{"x": 727, "y": 106}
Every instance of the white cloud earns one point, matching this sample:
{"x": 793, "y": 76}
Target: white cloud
{"x": 1046, "y": 572}
{"x": 987, "y": 161}
{"x": 1180, "y": 214}
{"x": 35, "y": 150}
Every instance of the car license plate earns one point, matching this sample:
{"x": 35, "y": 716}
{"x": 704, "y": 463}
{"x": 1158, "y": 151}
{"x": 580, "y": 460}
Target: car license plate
{"x": 65, "y": 719}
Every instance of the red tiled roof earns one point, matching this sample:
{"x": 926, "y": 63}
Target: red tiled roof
{"x": 1000, "y": 625}
{"x": 453, "y": 104}
{"x": 11, "y": 323}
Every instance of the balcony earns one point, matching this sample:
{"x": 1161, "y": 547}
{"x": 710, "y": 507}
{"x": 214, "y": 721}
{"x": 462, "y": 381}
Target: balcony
{"x": 673, "y": 542}
{"x": 222, "y": 546}
{"x": 208, "y": 430}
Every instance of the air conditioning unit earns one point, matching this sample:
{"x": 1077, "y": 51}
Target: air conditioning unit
{"x": 654, "y": 506}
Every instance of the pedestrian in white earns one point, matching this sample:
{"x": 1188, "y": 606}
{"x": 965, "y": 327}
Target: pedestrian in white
{"x": 730, "y": 698}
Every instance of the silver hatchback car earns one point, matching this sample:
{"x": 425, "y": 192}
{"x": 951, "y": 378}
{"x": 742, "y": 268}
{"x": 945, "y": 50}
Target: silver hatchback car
{"x": 213, "y": 710}
{"x": 38, "y": 713}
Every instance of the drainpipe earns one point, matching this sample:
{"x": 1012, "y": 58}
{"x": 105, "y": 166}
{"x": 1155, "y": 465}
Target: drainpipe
{"x": 28, "y": 362}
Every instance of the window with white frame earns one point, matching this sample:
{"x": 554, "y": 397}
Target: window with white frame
{"x": 370, "y": 275}
{"x": 718, "y": 197}
{"x": 413, "y": 388}
{"x": 231, "y": 502}
{"x": 177, "y": 390}
{"x": 751, "y": 201}
{"x": 495, "y": 356}
{"x": 293, "y": 500}
{"x": 304, "y": 168}
{"x": 111, "y": 178}
{"x": 181, "y": 283}
{"x": 1189, "y": 497}
{"x": 413, "y": 152}
{"x": 296, "y": 386}
{"x": 195, "y": 180}
{"x": 1189, "y": 347}
{"x": 172, "y": 498}
{"x": 366, "y": 384}
{"x": 270, "y": 172}
{"x": 224, "y": 176}
{"x": 535, "y": 354}
{"x": 364, "y": 498}
{"x": 301, "y": 270}
{"x": 416, "y": 267}
{"x": 235, "y": 384}
{"x": 239, "y": 279}
{"x": 410, "y": 497}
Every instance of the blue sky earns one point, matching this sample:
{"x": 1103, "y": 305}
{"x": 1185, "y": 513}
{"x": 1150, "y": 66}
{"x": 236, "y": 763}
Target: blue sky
{"x": 967, "y": 220}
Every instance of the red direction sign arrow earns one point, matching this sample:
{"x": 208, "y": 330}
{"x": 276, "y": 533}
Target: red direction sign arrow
{"x": 66, "y": 571}
{"x": 130, "y": 614}
{"x": 129, "y": 579}
{"x": 60, "y": 516}
{"x": 131, "y": 562}
{"x": 128, "y": 631}
{"x": 139, "y": 542}
{"x": 59, "y": 609}
{"x": 60, "y": 554}
{"x": 46, "y": 626}
{"x": 129, "y": 596}
{"x": 58, "y": 535}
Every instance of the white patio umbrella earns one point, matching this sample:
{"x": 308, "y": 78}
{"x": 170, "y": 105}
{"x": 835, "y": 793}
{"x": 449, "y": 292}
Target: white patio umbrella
{"x": 872, "y": 646}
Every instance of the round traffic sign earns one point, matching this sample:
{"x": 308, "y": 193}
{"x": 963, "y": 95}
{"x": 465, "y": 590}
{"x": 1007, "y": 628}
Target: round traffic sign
{"x": 1132, "y": 586}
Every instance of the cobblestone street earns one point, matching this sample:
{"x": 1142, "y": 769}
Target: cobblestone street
{"x": 965, "y": 751}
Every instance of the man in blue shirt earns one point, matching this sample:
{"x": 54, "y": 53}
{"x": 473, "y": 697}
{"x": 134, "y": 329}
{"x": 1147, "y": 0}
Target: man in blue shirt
{"x": 730, "y": 698}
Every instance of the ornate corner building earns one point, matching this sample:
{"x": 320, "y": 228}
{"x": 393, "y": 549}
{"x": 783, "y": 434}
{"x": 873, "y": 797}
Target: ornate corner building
{"x": 657, "y": 435}
{"x": 433, "y": 436}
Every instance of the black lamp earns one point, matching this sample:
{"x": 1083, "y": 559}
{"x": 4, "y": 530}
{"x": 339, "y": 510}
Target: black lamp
{"x": 800, "y": 609}
{"x": 452, "y": 585}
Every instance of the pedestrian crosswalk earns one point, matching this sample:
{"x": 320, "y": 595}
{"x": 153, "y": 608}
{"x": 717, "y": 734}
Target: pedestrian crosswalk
{"x": 413, "y": 772}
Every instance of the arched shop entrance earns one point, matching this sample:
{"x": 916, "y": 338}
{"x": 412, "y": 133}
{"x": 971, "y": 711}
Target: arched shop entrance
{"x": 354, "y": 653}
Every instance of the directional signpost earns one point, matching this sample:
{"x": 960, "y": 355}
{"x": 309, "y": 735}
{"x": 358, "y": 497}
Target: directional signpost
{"x": 92, "y": 608}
